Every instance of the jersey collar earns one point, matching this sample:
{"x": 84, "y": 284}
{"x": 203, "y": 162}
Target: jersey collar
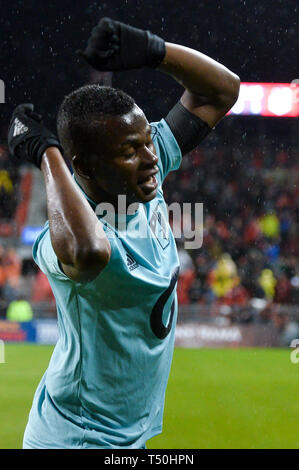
{"x": 93, "y": 204}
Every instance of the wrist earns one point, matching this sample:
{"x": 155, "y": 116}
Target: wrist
{"x": 171, "y": 61}
{"x": 50, "y": 155}
{"x": 156, "y": 50}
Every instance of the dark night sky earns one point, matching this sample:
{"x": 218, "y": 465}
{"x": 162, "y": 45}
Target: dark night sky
{"x": 256, "y": 39}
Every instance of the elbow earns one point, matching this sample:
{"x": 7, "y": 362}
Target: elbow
{"x": 102, "y": 256}
{"x": 106, "y": 254}
{"x": 235, "y": 88}
{"x": 231, "y": 94}
{"x": 95, "y": 257}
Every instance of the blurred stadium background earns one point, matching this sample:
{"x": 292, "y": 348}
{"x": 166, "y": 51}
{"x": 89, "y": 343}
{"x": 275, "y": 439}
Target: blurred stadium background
{"x": 241, "y": 288}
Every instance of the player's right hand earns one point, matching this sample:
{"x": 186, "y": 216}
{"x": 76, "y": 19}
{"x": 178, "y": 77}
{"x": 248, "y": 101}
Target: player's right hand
{"x": 27, "y": 136}
{"x": 115, "y": 46}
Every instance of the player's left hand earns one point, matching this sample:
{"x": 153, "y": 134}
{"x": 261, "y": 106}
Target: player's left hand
{"x": 115, "y": 46}
{"x": 28, "y": 138}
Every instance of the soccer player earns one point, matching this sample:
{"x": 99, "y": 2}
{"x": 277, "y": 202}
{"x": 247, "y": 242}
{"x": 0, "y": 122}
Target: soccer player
{"x": 115, "y": 292}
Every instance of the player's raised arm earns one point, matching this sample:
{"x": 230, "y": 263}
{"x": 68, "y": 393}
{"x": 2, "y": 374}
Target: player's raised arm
{"x": 77, "y": 236}
{"x": 211, "y": 89}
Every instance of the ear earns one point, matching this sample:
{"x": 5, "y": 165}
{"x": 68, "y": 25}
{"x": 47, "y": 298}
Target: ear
{"x": 80, "y": 167}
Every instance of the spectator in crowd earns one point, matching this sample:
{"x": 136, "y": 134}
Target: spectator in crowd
{"x": 223, "y": 277}
{"x": 10, "y": 272}
{"x": 19, "y": 310}
{"x": 41, "y": 289}
{"x": 250, "y": 201}
{"x": 270, "y": 225}
{"x": 283, "y": 289}
{"x": 9, "y": 175}
{"x": 186, "y": 279}
{"x": 268, "y": 283}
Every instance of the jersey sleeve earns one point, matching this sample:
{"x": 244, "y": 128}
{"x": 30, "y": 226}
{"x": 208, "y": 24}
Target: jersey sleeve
{"x": 45, "y": 256}
{"x": 167, "y": 148}
{"x": 189, "y": 130}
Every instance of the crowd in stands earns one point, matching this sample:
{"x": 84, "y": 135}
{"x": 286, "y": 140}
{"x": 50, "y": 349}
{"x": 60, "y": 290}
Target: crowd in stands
{"x": 20, "y": 290}
{"x": 249, "y": 229}
{"x": 9, "y": 177}
{"x": 16, "y": 287}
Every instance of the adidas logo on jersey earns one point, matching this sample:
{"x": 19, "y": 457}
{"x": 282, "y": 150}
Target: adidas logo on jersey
{"x": 131, "y": 263}
{"x": 19, "y": 128}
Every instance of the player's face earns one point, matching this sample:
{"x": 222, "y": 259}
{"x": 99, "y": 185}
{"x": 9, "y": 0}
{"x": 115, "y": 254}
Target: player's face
{"x": 127, "y": 160}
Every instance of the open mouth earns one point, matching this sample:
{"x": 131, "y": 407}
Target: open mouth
{"x": 148, "y": 179}
{"x": 148, "y": 185}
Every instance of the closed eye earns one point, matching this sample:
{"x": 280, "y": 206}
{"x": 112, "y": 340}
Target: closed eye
{"x": 148, "y": 145}
{"x": 130, "y": 155}
{"x": 134, "y": 143}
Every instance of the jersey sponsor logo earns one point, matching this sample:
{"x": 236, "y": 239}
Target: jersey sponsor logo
{"x": 159, "y": 227}
{"x": 131, "y": 263}
{"x": 156, "y": 319}
{"x": 19, "y": 128}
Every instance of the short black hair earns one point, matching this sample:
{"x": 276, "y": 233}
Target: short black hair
{"x": 84, "y": 106}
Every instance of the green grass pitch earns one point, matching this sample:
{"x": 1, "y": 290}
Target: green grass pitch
{"x": 216, "y": 398}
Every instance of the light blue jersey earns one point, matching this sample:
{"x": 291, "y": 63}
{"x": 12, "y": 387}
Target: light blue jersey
{"x": 106, "y": 381}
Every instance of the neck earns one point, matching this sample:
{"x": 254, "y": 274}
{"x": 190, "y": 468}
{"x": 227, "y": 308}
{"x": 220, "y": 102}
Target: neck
{"x": 97, "y": 195}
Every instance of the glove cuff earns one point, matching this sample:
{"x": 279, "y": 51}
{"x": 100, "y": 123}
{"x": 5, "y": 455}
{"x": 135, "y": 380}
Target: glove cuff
{"x": 39, "y": 147}
{"x": 156, "y": 50}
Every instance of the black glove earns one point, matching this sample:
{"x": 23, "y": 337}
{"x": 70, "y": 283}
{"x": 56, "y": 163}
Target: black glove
{"x": 27, "y": 137}
{"x": 116, "y": 46}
